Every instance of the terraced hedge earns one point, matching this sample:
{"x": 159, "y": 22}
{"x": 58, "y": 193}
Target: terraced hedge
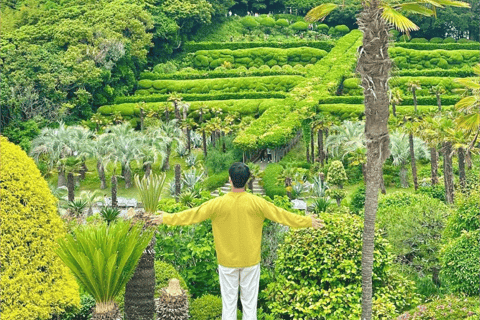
{"x": 256, "y": 57}
{"x": 221, "y": 72}
{"x": 444, "y": 59}
{"x": 202, "y": 97}
{"x": 438, "y": 46}
{"x": 195, "y": 46}
{"x": 221, "y": 85}
{"x": 243, "y": 107}
{"x": 354, "y": 111}
{"x": 407, "y": 100}
{"x": 465, "y": 71}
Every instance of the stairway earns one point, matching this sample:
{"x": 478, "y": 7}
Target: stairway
{"x": 257, "y": 189}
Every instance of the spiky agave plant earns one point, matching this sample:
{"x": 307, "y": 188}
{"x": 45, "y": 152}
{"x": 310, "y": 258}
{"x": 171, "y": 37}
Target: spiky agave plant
{"x": 103, "y": 258}
{"x": 140, "y": 290}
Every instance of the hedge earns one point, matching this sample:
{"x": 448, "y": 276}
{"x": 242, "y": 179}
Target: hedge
{"x": 210, "y": 59}
{"x": 465, "y": 71}
{"x": 221, "y": 85}
{"x": 353, "y": 111}
{"x": 269, "y": 179}
{"x": 202, "y": 97}
{"x": 215, "y": 181}
{"x": 436, "y": 46}
{"x": 407, "y": 100}
{"x": 196, "y": 46}
{"x": 231, "y": 73}
{"x": 445, "y": 59}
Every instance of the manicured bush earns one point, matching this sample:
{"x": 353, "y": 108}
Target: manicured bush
{"x": 196, "y": 46}
{"x": 267, "y": 22}
{"x": 465, "y": 71}
{"x": 450, "y": 307}
{"x": 358, "y": 200}
{"x": 269, "y": 179}
{"x": 411, "y": 58}
{"x": 436, "y": 40}
{"x": 463, "y": 40}
{"x": 249, "y": 22}
{"x": 341, "y": 30}
{"x": 215, "y": 181}
{"x": 437, "y": 46}
{"x": 163, "y": 273}
{"x": 299, "y": 26}
{"x": 323, "y": 28}
{"x": 460, "y": 263}
{"x": 207, "y": 307}
{"x": 352, "y": 83}
{"x": 465, "y": 215}
{"x": 281, "y": 23}
{"x": 449, "y": 40}
{"x": 319, "y": 274}
{"x": 145, "y": 84}
{"x": 413, "y": 223}
{"x": 419, "y": 40}
{"x": 35, "y": 283}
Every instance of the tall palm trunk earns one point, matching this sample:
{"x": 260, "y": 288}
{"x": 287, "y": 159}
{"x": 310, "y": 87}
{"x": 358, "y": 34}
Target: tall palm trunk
{"x": 148, "y": 169}
{"x": 142, "y": 117}
{"x": 166, "y": 162}
{"x": 189, "y": 142}
{"x": 374, "y": 67}
{"x": 167, "y": 114}
{"x": 83, "y": 170}
{"x": 177, "y": 112}
{"x": 62, "y": 182}
{"x": 128, "y": 177}
{"x": 439, "y": 101}
{"x": 461, "y": 167}
{"x": 70, "y": 186}
{"x": 140, "y": 289}
{"x": 114, "y": 190}
{"x": 414, "y": 164}
{"x": 468, "y": 159}
{"x": 312, "y": 145}
{"x": 414, "y": 99}
{"x": 307, "y": 147}
{"x": 204, "y": 142}
{"x": 326, "y": 151}
{"x": 178, "y": 185}
{"x": 382, "y": 184}
{"x": 321, "y": 154}
{"x": 101, "y": 175}
{"x": 448, "y": 171}
{"x": 394, "y": 109}
{"x": 434, "y": 165}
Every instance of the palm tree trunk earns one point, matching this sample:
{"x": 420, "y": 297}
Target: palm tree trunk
{"x": 83, "y": 170}
{"x": 106, "y": 312}
{"x": 307, "y": 147}
{"x": 101, "y": 175}
{"x": 448, "y": 171}
{"x": 140, "y": 290}
{"x": 403, "y": 176}
{"x": 321, "y": 155}
{"x": 468, "y": 159}
{"x": 128, "y": 177}
{"x": 177, "y": 112}
{"x": 434, "y": 165}
{"x": 114, "y": 190}
{"x": 461, "y": 167}
{"x": 373, "y": 65}
{"x": 178, "y": 185}
{"x": 166, "y": 162}
{"x": 62, "y": 182}
{"x": 326, "y": 151}
{"x": 70, "y": 186}
{"x": 439, "y": 102}
{"x": 204, "y": 140}
{"x": 189, "y": 142}
{"x": 148, "y": 168}
{"x": 414, "y": 100}
{"x": 167, "y": 113}
{"x": 142, "y": 116}
{"x": 382, "y": 184}
{"x": 224, "y": 149}
{"x": 394, "y": 110}
{"x": 312, "y": 144}
{"x": 414, "y": 164}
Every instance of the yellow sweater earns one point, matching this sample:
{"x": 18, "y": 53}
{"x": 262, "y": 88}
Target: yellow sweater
{"x": 237, "y": 222}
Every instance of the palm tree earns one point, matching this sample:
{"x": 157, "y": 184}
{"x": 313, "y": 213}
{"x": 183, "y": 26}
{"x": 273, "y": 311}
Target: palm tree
{"x": 81, "y": 140}
{"x": 176, "y": 99}
{"x": 188, "y": 125}
{"x": 140, "y": 290}
{"x": 99, "y": 149}
{"x": 169, "y": 133}
{"x": 438, "y": 90}
{"x": 414, "y": 86}
{"x": 374, "y": 67}
{"x": 151, "y": 150}
{"x": 446, "y": 131}
{"x": 103, "y": 258}
{"x": 411, "y": 128}
{"x": 395, "y": 99}
{"x": 428, "y": 132}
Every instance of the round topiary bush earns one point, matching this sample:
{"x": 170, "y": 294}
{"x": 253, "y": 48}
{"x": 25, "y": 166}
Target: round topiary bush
{"x": 351, "y": 83}
{"x": 419, "y": 40}
{"x": 460, "y": 263}
{"x": 442, "y": 63}
{"x": 436, "y": 40}
{"x": 281, "y": 23}
{"x": 449, "y": 40}
{"x": 463, "y": 40}
{"x": 249, "y": 22}
{"x": 319, "y": 274}
{"x": 35, "y": 283}
{"x": 323, "y": 28}
{"x": 403, "y": 38}
{"x": 207, "y": 307}
{"x": 395, "y": 33}
{"x": 299, "y": 26}
{"x": 341, "y": 30}
{"x": 142, "y": 92}
{"x": 267, "y": 22}
{"x": 145, "y": 84}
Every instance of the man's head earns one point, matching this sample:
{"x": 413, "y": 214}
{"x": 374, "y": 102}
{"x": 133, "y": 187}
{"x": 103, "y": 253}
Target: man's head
{"x": 239, "y": 174}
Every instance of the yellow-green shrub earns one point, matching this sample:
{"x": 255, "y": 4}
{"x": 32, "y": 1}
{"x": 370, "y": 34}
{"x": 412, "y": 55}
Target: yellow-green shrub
{"x": 34, "y": 281}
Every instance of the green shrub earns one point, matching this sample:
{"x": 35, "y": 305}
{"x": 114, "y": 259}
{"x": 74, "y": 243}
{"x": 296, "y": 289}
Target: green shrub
{"x": 299, "y": 26}
{"x": 413, "y": 223}
{"x": 460, "y": 263}
{"x": 319, "y": 274}
{"x": 84, "y": 312}
{"x": 267, "y": 22}
{"x": 35, "y": 283}
{"x": 207, "y": 307}
{"x": 436, "y": 40}
{"x": 163, "y": 273}
{"x": 269, "y": 179}
{"x": 215, "y": 181}
{"x": 323, "y": 28}
{"x": 168, "y": 67}
{"x": 419, "y": 40}
{"x": 196, "y": 46}
{"x": 281, "y": 23}
{"x": 341, "y": 30}
{"x": 465, "y": 215}
{"x": 403, "y": 38}
{"x": 449, "y": 40}
{"x": 351, "y": 83}
{"x": 463, "y": 40}
{"x": 437, "y": 191}
{"x": 358, "y": 200}
{"x": 249, "y": 22}
{"x": 145, "y": 84}
{"x": 449, "y": 307}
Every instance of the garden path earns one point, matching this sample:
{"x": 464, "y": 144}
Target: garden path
{"x": 257, "y": 188}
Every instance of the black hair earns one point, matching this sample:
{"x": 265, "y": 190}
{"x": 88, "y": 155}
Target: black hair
{"x": 239, "y": 173}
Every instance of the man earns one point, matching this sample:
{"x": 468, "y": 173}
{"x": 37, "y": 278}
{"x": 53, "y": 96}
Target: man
{"x": 237, "y": 221}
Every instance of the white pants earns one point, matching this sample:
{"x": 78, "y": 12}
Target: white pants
{"x": 249, "y": 279}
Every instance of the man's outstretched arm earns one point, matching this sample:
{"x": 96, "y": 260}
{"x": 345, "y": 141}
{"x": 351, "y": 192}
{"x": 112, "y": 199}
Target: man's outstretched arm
{"x": 186, "y": 217}
{"x": 284, "y": 217}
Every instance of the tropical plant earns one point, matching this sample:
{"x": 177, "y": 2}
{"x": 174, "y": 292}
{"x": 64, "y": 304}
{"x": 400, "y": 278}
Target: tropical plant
{"x": 109, "y": 214}
{"x": 90, "y": 197}
{"x": 103, "y": 259}
{"x": 321, "y": 204}
{"x": 191, "y": 161}
{"x": 191, "y": 178}
{"x": 99, "y": 149}
{"x": 374, "y": 66}
{"x": 182, "y": 151}
{"x": 346, "y": 138}
{"x": 151, "y": 150}
{"x": 196, "y": 139}
{"x": 414, "y": 86}
{"x": 297, "y": 188}
{"x": 77, "y": 206}
{"x": 319, "y": 187}
{"x": 169, "y": 133}
{"x": 150, "y": 190}
{"x": 395, "y": 99}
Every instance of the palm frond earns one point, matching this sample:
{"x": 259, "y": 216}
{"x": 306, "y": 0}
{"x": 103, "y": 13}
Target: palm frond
{"x": 319, "y": 13}
{"x": 416, "y": 8}
{"x": 453, "y": 3}
{"x": 469, "y": 83}
{"x": 397, "y": 19}
{"x": 469, "y": 122}
{"x": 467, "y": 103}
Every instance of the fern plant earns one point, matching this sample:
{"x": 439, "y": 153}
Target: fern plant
{"x": 103, "y": 258}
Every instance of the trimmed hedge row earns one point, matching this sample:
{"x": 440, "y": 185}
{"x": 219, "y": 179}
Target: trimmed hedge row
{"x": 221, "y": 72}
{"x": 202, "y": 97}
{"x": 444, "y": 59}
{"x": 437, "y": 46}
{"x": 195, "y": 46}
{"x": 243, "y": 107}
{"x": 354, "y": 111}
{"x": 465, "y": 71}
{"x": 220, "y": 85}
{"x": 256, "y": 57}
{"x": 407, "y": 100}
{"x": 215, "y": 181}
{"x": 269, "y": 179}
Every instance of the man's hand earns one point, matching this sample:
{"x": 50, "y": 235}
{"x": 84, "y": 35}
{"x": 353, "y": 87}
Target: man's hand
{"x": 317, "y": 223}
{"x": 158, "y": 219}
